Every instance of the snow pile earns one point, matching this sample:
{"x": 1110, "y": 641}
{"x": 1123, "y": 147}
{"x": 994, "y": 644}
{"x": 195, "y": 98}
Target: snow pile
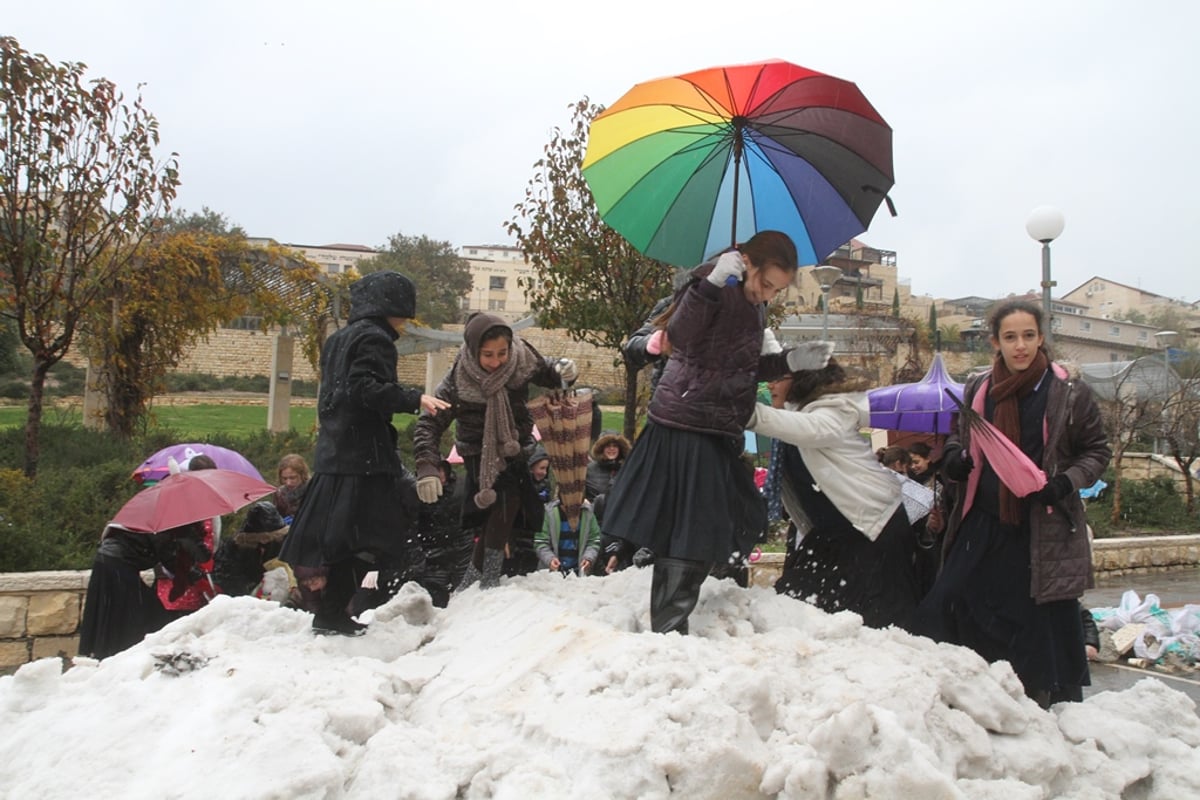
{"x": 551, "y": 687}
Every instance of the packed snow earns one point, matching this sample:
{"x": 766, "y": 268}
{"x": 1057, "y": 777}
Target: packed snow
{"x": 553, "y": 687}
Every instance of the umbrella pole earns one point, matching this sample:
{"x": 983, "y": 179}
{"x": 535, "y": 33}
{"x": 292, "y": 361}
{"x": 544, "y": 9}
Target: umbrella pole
{"x": 737, "y": 165}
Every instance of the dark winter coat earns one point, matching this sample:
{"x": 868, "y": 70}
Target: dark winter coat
{"x": 240, "y": 559}
{"x": 634, "y": 348}
{"x": 601, "y": 472}
{"x": 468, "y": 416}
{"x": 359, "y": 393}
{"x": 1075, "y": 446}
{"x": 709, "y": 384}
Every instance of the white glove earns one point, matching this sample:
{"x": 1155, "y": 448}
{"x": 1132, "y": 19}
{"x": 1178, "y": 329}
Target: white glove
{"x": 429, "y": 488}
{"x": 770, "y": 345}
{"x": 729, "y": 265}
{"x": 809, "y": 356}
{"x": 566, "y": 369}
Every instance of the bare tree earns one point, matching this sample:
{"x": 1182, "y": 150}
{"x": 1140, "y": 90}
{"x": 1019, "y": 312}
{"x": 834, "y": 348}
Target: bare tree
{"x": 80, "y": 187}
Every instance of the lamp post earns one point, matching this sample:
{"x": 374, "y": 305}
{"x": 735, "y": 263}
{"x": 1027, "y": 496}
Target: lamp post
{"x": 1045, "y": 224}
{"x": 1165, "y": 338}
{"x": 826, "y": 276}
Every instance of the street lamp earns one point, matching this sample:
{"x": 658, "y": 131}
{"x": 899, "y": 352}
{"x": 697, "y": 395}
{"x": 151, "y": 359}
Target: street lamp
{"x": 1165, "y": 338}
{"x": 826, "y": 277}
{"x": 1045, "y": 224}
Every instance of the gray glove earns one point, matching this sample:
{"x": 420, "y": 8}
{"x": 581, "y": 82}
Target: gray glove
{"x": 809, "y": 356}
{"x": 729, "y": 265}
{"x": 429, "y": 488}
{"x": 567, "y": 371}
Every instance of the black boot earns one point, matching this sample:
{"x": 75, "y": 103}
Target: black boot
{"x": 674, "y": 590}
{"x": 332, "y": 616}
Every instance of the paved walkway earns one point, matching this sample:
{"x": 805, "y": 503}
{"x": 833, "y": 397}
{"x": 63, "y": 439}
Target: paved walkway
{"x": 1174, "y": 589}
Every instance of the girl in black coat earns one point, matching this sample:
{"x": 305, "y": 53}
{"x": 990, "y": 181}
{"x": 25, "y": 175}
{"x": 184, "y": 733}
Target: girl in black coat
{"x": 354, "y": 517}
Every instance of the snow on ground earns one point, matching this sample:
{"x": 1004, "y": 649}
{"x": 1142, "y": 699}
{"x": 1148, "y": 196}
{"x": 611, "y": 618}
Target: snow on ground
{"x": 552, "y": 687}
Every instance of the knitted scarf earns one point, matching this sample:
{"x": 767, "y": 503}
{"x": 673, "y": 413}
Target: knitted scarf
{"x": 500, "y": 435}
{"x": 1005, "y": 390}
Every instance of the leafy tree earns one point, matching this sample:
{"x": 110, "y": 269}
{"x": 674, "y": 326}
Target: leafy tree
{"x": 182, "y": 286}
{"x": 858, "y": 297}
{"x": 203, "y": 221}
{"x": 933, "y": 326}
{"x": 441, "y": 276}
{"x": 1181, "y": 425}
{"x": 590, "y": 280}
{"x": 896, "y": 303}
{"x": 80, "y": 186}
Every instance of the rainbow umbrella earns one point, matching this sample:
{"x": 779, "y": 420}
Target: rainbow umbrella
{"x": 686, "y": 166}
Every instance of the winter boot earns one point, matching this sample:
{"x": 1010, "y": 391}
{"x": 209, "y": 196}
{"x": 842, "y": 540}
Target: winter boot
{"x": 332, "y": 616}
{"x": 674, "y": 590}
{"x": 493, "y": 564}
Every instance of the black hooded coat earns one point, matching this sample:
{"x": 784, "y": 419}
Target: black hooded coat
{"x": 353, "y": 505}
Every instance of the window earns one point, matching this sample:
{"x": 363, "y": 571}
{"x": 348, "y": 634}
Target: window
{"x": 1084, "y": 325}
{"x": 1143, "y": 336}
{"x": 1114, "y": 330}
{"x": 496, "y": 282}
{"x": 472, "y": 252}
{"x": 245, "y": 324}
{"x": 495, "y": 305}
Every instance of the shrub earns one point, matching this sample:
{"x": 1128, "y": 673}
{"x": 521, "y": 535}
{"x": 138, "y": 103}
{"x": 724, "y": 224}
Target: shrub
{"x": 1154, "y": 504}
{"x": 84, "y": 477}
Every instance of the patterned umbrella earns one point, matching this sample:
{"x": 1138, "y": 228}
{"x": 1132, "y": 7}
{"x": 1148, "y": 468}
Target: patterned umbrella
{"x": 565, "y": 421}
{"x": 686, "y": 166}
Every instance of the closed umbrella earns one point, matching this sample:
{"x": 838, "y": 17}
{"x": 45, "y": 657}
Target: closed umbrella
{"x": 565, "y": 421}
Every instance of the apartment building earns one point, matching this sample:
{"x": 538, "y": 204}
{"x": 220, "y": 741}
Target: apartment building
{"x": 497, "y": 274}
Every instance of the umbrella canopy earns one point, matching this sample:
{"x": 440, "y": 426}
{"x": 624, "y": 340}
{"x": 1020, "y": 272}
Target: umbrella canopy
{"x": 155, "y": 467}
{"x": 686, "y": 166}
{"x": 189, "y": 497}
{"x": 565, "y": 420}
{"x": 926, "y": 406}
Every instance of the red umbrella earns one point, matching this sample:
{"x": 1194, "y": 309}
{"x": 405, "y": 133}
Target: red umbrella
{"x": 189, "y": 497}
{"x": 1014, "y": 469}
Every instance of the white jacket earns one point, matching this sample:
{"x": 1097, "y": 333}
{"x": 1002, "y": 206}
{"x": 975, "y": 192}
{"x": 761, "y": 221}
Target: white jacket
{"x": 826, "y": 431}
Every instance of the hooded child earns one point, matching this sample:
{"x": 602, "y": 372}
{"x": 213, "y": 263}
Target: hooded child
{"x": 354, "y": 518}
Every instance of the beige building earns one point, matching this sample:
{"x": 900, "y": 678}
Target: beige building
{"x": 335, "y": 258}
{"x": 1108, "y": 299}
{"x": 498, "y": 277}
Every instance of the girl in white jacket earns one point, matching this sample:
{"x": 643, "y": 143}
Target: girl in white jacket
{"x": 852, "y": 546}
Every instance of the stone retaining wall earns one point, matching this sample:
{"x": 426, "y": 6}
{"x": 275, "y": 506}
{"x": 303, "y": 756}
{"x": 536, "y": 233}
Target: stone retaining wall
{"x": 40, "y": 611}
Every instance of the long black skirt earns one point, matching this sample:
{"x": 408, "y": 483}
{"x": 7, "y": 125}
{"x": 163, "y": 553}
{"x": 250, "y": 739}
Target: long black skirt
{"x": 981, "y": 599}
{"x": 370, "y": 517}
{"x": 120, "y": 609}
{"x": 837, "y": 568}
{"x": 687, "y": 495}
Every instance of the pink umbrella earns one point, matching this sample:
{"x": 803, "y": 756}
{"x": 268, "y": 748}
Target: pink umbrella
{"x": 189, "y": 497}
{"x": 1014, "y": 469}
{"x": 155, "y": 468}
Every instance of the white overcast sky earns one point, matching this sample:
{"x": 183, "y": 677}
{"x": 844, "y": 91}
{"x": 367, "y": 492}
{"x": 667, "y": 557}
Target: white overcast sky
{"x": 319, "y": 122}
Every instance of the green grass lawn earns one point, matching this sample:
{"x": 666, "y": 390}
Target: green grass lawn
{"x": 191, "y": 422}
{"x": 203, "y": 420}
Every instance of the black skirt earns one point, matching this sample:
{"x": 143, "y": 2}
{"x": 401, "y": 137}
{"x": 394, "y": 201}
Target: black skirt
{"x": 687, "y": 495}
{"x": 837, "y": 568}
{"x": 981, "y": 599}
{"x": 371, "y": 517}
{"x": 119, "y": 611}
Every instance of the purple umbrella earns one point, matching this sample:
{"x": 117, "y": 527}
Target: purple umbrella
{"x": 155, "y": 467}
{"x": 921, "y": 407}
